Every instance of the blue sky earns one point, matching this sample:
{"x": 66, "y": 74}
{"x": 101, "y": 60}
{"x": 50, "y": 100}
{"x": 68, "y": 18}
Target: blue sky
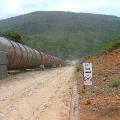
{"x": 10, "y": 8}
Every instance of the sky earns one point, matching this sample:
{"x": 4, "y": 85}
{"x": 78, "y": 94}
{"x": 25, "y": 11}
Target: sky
{"x": 11, "y": 8}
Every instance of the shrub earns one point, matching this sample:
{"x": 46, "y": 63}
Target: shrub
{"x": 113, "y": 45}
{"x": 115, "y": 83}
{"x": 12, "y": 36}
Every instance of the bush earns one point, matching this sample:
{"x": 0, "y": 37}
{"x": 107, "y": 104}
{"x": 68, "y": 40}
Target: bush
{"x": 115, "y": 83}
{"x": 114, "y": 45}
{"x": 12, "y": 36}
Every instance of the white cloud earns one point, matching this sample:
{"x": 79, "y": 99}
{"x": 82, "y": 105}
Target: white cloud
{"x": 9, "y": 8}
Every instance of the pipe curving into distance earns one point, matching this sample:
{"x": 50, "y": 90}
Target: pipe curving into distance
{"x": 24, "y": 57}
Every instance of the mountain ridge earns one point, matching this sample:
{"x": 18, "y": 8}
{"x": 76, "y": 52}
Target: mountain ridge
{"x": 65, "y": 34}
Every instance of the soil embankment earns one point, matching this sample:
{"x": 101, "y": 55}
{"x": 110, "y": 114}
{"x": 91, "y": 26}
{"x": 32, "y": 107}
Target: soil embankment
{"x": 102, "y": 101}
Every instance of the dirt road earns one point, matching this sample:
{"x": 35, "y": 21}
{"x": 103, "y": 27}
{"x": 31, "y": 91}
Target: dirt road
{"x": 36, "y": 95}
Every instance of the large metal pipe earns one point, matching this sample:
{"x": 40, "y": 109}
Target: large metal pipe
{"x": 23, "y": 57}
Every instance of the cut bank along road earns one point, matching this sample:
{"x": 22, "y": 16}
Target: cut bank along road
{"x": 37, "y": 95}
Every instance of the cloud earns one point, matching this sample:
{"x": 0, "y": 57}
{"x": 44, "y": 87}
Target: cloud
{"x": 11, "y": 8}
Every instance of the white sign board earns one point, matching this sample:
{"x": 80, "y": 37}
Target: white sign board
{"x": 87, "y": 73}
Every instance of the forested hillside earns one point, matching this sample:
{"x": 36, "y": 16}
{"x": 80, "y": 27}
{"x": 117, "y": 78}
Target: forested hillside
{"x": 64, "y": 34}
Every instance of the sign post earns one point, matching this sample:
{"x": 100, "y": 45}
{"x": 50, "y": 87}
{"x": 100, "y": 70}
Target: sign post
{"x": 87, "y": 75}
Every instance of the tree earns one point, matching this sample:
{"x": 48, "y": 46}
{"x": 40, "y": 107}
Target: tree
{"x": 12, "y": 36}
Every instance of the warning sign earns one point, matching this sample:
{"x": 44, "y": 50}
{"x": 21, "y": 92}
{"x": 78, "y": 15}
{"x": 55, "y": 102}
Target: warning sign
{"x": 87, "y": 73}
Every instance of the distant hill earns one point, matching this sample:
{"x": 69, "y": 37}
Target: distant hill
{"x": 64, "y": 34}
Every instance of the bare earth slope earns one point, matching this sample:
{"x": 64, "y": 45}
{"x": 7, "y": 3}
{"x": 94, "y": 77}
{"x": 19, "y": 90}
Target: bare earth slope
{"x": 36, "y": 95}
{"x": 103, "y": 101}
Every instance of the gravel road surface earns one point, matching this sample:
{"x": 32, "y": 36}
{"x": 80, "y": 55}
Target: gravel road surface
{"x": 36, "y": 95}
